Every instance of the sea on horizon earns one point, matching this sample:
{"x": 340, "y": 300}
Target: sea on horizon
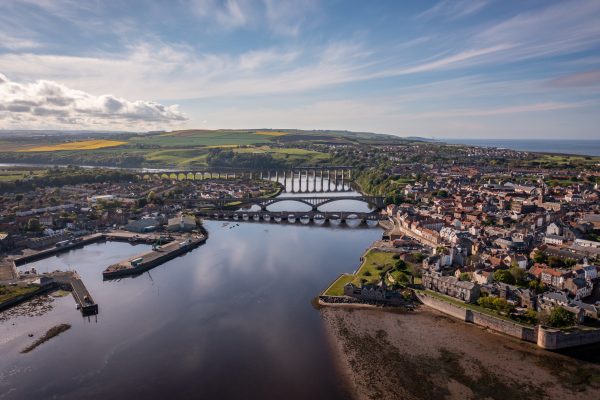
{"x": 562, "y": 146}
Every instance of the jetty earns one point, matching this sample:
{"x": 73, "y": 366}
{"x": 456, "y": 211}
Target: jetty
{"x": 72, "y": 281}
{"x": 158, "y": 255}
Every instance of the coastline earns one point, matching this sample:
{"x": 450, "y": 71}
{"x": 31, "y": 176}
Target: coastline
{"x": 553, "y": 146}
{"x": 388, "y": 356}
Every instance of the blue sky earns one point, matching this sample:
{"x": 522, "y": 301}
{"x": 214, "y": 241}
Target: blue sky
{"x": 461, "y": 68}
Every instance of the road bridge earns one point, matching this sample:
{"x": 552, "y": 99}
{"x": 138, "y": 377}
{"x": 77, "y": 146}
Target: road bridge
{"x": 291, "y": 217}
{"x": 313, "y": 201}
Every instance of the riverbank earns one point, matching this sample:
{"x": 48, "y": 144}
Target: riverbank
{"x": 388, "y": 356}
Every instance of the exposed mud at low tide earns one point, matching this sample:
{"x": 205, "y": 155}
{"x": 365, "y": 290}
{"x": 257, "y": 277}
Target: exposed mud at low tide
{"x": 427, "y": 355}
{"x": 38, "y": 305}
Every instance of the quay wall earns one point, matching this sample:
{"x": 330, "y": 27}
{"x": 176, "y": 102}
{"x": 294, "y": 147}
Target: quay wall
{"x": 55, "y": 250}
{"x": 518, "y": 331}
{"x": 153, "y": 262}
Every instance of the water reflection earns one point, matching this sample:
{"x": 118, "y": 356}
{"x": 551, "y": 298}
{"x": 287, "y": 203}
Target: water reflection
{"x": 231, "y": 319}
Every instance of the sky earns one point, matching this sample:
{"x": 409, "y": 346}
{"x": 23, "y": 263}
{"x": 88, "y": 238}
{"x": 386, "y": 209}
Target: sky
{"x": 440, "y": 68}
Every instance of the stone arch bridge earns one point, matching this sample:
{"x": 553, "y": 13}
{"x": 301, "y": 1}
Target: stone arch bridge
{"x": 314, "y": 202}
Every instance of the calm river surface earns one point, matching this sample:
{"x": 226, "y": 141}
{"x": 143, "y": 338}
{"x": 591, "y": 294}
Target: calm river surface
{"x": 230, "y": 319}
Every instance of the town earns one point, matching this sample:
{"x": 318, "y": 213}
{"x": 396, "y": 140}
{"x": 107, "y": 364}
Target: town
{"x": 510, "y": 243}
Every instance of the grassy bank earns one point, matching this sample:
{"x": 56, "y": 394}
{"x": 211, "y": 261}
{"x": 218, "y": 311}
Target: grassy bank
{"x": 374, "y": 265}
{"x": 10, "y": 292}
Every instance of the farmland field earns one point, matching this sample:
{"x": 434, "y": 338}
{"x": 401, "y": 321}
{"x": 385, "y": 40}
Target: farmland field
{"x": 271, "y": 133}
{"x": 10, "y": 175}
{"x": 201, "y": 138}
{"x": 183, "y": 148}
{"x": 79, "y": 145}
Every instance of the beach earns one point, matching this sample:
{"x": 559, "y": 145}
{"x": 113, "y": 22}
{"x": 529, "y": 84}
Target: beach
{"x": 425, "y": 354}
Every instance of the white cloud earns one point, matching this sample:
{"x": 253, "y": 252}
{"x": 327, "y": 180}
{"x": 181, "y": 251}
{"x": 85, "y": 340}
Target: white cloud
{"x": 46, "y": 103}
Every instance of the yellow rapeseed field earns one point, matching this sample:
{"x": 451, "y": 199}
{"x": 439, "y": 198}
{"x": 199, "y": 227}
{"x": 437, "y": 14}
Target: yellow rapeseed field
{"x": 81, "y": 145}
{"x": 269, "y": 133}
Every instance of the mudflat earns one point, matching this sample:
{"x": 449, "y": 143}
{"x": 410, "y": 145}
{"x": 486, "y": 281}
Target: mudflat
{"x": 427, "y": 355}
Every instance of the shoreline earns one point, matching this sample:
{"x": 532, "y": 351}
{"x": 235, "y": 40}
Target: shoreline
{"x": 364, "y": 340}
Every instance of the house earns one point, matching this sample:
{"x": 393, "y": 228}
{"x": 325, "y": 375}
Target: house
{"x": 6, "y": 241}
{"x": 143, "y": 225}
{"x": 551, "y": 300}
{"x": 554, "y": 277}
{"x": 553, "y": 229}
{"x": 525, "y": 298}
{"x": 590, "y": 272}
{"x": 379, "y": 293}
{"x": 182, "y": 223}
{"x": 483, "y": 276}
{"x": 451, "y": 286}
{"x": 554, "y": 239}
{"x": 578, "y": 287}
{"x": 46, "y": 220}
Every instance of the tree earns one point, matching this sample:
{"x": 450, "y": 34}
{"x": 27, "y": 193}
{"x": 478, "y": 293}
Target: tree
{"x": 19, "y": 199}
{"x": 539, "y": 257}
{"x": 504, "y": 276}
{"x": 496, "y": 303}
{"x": 465, "y": 276}
{"x": 531, "y": 315}
{"x": 570, "y": 262}
{"x": 555, "y": 262}
{"x": 419, "y": 257}
{"x": 559, "y": 317}
{"x": 518, "y": 274}
{"x": 33, "y": 225}
{"x": 400, "y": 265}
{"x": 151, "y": 197}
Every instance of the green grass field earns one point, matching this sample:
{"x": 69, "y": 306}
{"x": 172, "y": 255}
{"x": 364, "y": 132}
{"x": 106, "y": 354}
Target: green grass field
{"x": 10, "y": 292}
{"x": 201, "y": 138}
{"x": 17, "y": 174}
{"x": 374, "y": 264}
{"x": 558, "y": 160}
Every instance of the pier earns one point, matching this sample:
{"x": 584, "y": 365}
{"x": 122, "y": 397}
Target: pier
{"x": 72, "y": 282}
{"x": 143, "y": 262}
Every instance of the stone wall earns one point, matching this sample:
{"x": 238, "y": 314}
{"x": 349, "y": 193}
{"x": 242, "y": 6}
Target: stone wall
{"x": 554, "y": 339}
{"x": 443, "y": 306}
{"x": 497, "y": 324}
{"x": 503, "y": 326}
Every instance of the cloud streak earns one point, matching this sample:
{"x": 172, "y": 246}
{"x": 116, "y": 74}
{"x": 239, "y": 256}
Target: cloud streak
{"x": 453, "y": 9}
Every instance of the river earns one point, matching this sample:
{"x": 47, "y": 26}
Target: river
{"x": 231, "y": 319}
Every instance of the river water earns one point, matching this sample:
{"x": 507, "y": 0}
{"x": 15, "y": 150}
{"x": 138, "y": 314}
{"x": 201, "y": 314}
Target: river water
{"x": 231, "y": 319}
